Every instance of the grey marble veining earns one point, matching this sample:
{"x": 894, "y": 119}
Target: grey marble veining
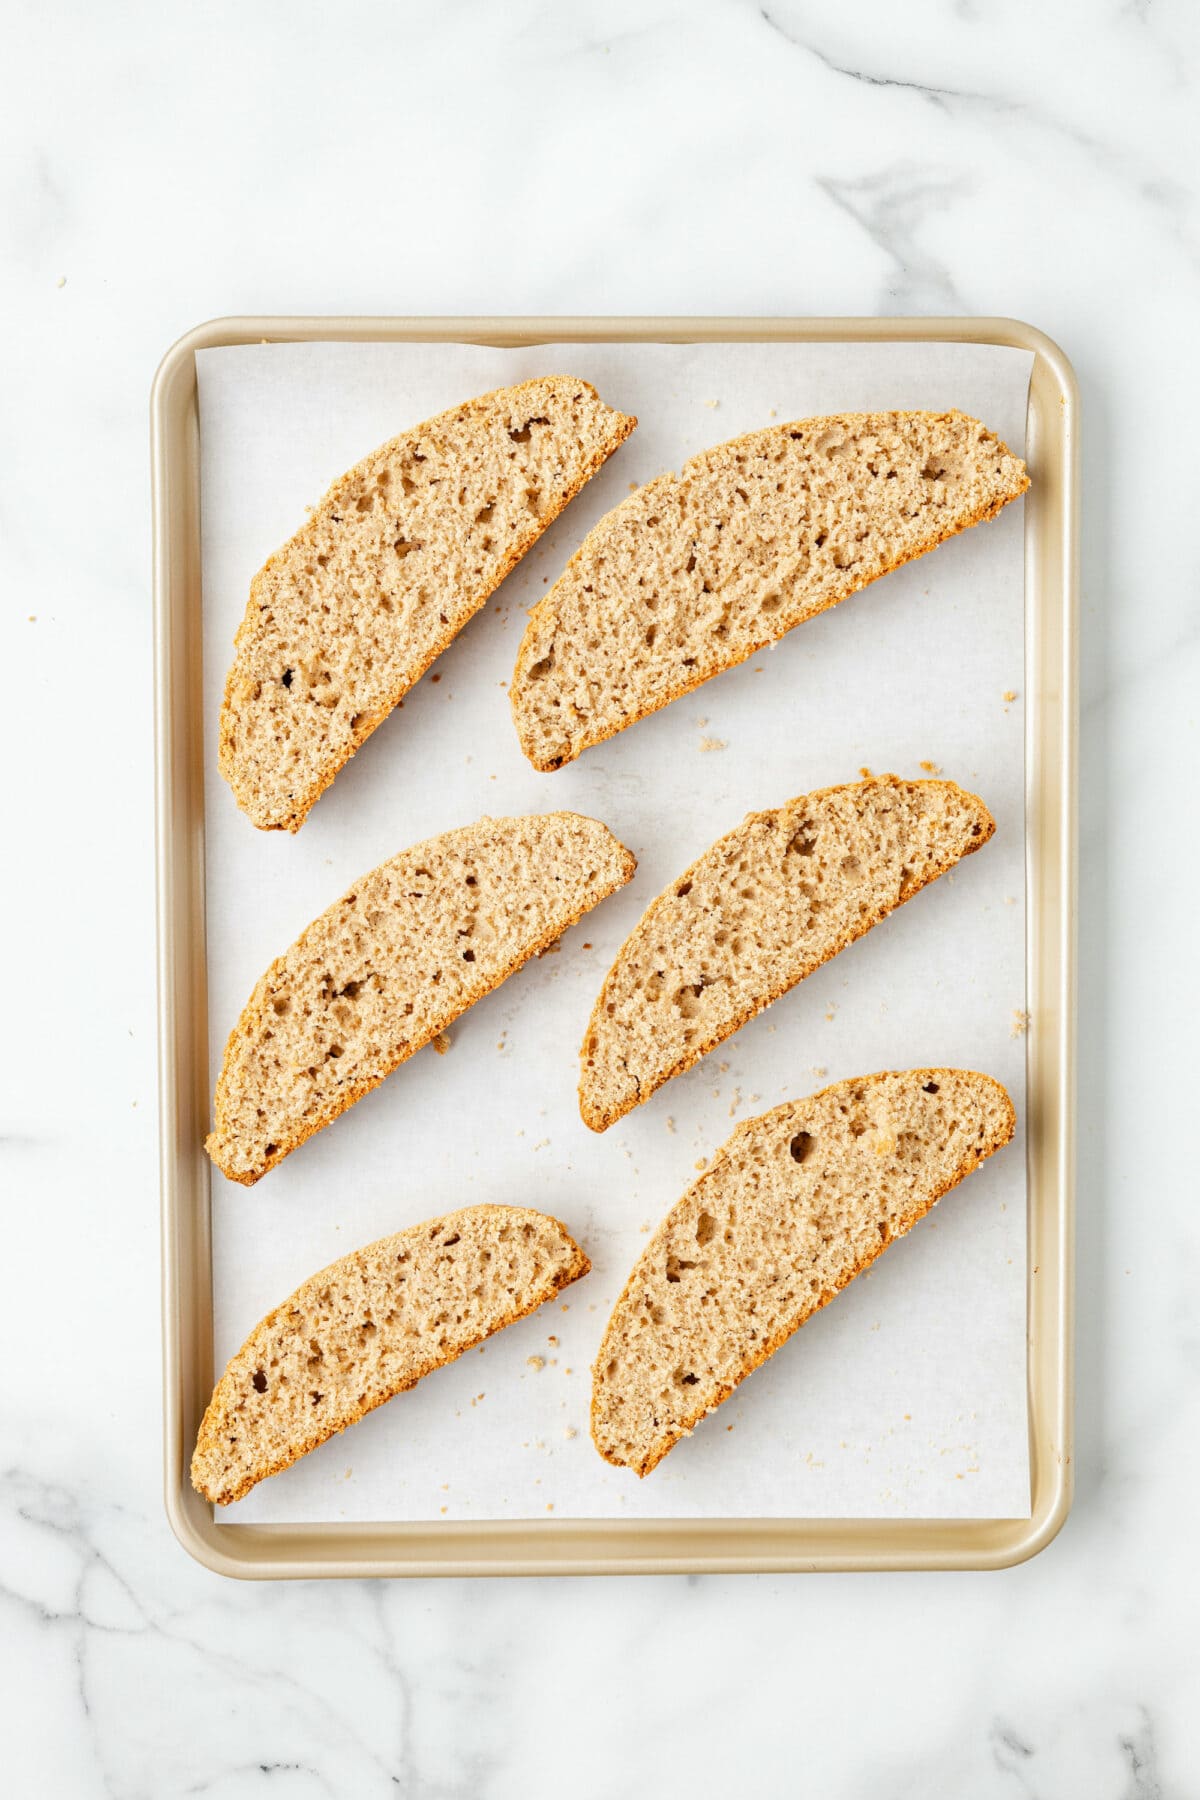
{"x": 162, "y": 165}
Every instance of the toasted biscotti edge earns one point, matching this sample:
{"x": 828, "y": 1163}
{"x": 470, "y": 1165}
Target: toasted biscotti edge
{"x": 1001, "y": 1135}
{"x": 215, "y": 1413}
{"x": 623, "y": 425}
{"x": 600, "y": 1118}
{"x": 705, "y": 672}
{"x": 253, "y": 1011}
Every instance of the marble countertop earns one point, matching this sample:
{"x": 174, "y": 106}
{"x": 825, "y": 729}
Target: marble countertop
{"x": 164, "y": 165}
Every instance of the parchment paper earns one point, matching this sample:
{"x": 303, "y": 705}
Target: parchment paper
{"x": 907, "y": 1395}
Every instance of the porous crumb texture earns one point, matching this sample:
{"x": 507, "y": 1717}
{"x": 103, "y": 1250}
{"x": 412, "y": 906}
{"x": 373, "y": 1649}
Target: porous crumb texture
{"x": 696, "y": 572}
{"x": 403, "y": 550}
{"x": 370, "y": 1326}
{"x": 391, "y": 964}
{"x": 759, "y": 911}
{"x": 795, "y": 1205}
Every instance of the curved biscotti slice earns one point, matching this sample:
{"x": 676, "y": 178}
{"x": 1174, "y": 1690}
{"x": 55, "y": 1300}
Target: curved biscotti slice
{"x": 760, "y": 910}
{"x": 403, "y": 550}
{"x": 696, "y": 572}
{"x": 369, "y": 1326}
{"x": 393, "y": 963}
{"x": 796, "y": 1204}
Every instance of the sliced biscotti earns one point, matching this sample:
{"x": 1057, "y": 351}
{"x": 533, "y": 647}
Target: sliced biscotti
{"x": 693, "y": 573}
{"x": 391, "y": 964}
{"x": 795, "y": 1205}
{"x": 403, "y": 550}
{"x": 760, "y": 910}
{"x": 369, "y": 1326}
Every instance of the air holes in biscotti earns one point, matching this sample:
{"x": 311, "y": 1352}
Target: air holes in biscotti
{"x": 851, "y": 867}
{"x": 540, "y": 670}
{"x": 931, "y": 1087}
{"x": 407, "y": 547}
{"x": 802, "y": 844}
{"x": 270, "y": 1149}
{"x": 706, "y": 1227}
{"x": 677, "y": 1266}
{"x": 685, "y": 887}
{"x": 447, "y": 1242}
{"x": 260, "y": 1381}
{"x": 525, "y": 432}
{"x": 932, "y": 472}
{"x": 800, "y": 1146}
{"x": 772, "y": 603}
{"x": 651, "y": 634}
{"x": 281, "y": 1006}
{"x": 286, "y": 678}
{"x": 484, "y": 514}
{"x": 821, "y": 540}
{"x": 471, "y": 881}
{"x": 468, "y": 956}
{"x": 688, "y": 1380}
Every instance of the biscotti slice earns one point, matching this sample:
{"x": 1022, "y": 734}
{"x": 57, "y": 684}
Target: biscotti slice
{"x": 765, "y": 906}
{"x": 403, "y": 550}
{"x": 696, "y": 572}
{"x": 795, "y": 1205}
{"x": 370, "y": 1326}
{"x": 391, "y": 964}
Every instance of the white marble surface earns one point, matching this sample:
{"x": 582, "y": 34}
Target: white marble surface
{"x": 172, "y": 164}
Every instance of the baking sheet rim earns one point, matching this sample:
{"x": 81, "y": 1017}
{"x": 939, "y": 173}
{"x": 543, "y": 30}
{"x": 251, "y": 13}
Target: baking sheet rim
{"x": 574, "y": 1547}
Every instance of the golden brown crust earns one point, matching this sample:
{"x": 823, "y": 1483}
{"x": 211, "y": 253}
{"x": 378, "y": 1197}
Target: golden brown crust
{"x": 217, "y": 1411}
{"x": 598, "y": 1118}
{"x": 254, "y": 1009}
{"x": 732, "y": 658}
{"x": 1001, "y": 1135}
{"x": 622, "y": 425}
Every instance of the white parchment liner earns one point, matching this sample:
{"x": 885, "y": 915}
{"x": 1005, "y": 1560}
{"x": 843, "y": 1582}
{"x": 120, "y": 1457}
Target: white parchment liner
{"x": 906, "y": 1397}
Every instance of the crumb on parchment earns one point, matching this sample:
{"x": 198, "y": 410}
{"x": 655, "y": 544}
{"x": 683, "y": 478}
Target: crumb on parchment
{"x": 931, "y": 768}
{"x": 1010, "y": 693}
{"x": 1020, "y": 1022}
{"x": 535, "y": 1362}
{"x": 714, "y": 743}
{"x": 442, "y": 1042}
{"x": 702, "y": 1164}
{"x": 866, "y": 773}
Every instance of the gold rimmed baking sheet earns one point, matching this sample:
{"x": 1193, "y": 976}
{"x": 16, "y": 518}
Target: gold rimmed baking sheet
{"x": 648, "y": 1544}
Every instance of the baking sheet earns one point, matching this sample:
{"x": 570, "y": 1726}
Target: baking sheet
{"x": 907, "y": 1397}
